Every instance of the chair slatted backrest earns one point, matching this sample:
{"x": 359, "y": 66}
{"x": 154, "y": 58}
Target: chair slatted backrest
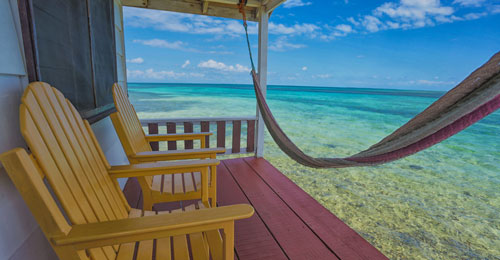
{"x": 128, "y": 126}
{"x": 72, "y": 161}
{"x": 136, "y": 139}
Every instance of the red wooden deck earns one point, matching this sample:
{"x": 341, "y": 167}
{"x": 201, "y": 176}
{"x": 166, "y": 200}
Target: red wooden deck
{"x": 288, "y": 223}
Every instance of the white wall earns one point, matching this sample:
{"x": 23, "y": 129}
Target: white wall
{"x": 18, "y": 229}
{"x": 110, "y": 144}
{"x": 20, "y": 235}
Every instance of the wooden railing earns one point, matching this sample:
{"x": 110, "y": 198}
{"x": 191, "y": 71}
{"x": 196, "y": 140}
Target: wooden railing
{"x": 227, "y": 132}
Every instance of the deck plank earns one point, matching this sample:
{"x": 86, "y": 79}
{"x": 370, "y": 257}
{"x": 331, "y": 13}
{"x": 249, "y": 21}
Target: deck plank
{"x": 291, "y": 233}
{"x": 253, "y": 241}
{"x": 343, "y": 240}
{"x": 288, "y": 223}
{"x": 132, "y": 192}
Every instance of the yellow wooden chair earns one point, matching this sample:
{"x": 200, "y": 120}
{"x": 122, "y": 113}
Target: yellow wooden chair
{"x": 136, "y": 145}
{"x": 94, "y": 220}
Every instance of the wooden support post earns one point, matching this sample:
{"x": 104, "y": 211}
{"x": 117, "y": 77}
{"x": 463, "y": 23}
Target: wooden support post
{"x": 262, "y": 70}
{"x": 204, "y": 7}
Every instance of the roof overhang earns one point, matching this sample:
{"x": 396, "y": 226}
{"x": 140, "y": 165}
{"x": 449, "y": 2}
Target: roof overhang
{"x": 218, "y": 8}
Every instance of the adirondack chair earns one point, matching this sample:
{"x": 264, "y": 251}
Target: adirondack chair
{"x": 94, "y": 220}
{"x": 136, "y": 145}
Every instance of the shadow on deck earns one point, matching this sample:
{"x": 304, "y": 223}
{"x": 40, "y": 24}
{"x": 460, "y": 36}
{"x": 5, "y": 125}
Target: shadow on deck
{"x": 288, "y": 223}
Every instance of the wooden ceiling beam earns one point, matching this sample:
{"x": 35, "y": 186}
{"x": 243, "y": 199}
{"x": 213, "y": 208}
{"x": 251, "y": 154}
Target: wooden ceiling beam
{"x": 250, "y": 3}
{"x": 215, "y": 8}
{"x": 272, "y": 4}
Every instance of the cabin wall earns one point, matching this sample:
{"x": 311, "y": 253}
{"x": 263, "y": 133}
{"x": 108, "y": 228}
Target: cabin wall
{"x": 20, "y": 235}
{"x": 110, "y": 144}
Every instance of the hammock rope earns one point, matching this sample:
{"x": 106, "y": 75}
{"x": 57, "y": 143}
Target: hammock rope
{"x": 473, "y": 99}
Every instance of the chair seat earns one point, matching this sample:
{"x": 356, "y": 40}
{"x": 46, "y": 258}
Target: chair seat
{"x": 178, "y": 183}
{"x": 185, "y": 247}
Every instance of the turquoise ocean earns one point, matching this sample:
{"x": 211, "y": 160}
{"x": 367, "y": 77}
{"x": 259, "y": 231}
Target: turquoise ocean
{"x": 442, "y": 203}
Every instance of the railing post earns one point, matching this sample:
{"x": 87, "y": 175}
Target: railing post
{"x": 188, "y": 128}
{"x": 153, "y": 129}
{"x": 221, "y": 134}
{"x": 262, "y": 69}
{"x": 250, "y": 136}
{"x": 234, "y": 146}
{"x": 236, "y": 136}
{"x": 171, "y": 129}
{"x": 205, "y": 127}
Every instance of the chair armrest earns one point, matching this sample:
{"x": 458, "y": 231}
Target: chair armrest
{"x": 156, "y": 156}
{"x": 177, "y": 137}
{"x": 159, "y": 168}
{"x": 151, "y": 227}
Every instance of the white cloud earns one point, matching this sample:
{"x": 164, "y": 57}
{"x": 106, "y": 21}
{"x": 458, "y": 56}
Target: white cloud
{"x": 395, "y": 14}
{"x": 337, "y": 31}
{"x": 134, "y": 73}
{"x": 344, "y": 28}
{"x": 353, "y": 21}
{"x": 137, "y": 60}
{"x": 304, "y": 68}
{"x": 495, "y": 9}
{"x": 199, "y": 24}
{"x": 186, "y": 63}
{"x": 474, "y": 3}
{"x": 474, "y": 16}
{"x": 322, "y": 76}
{"x": 283, "y": 44}
{"x": 212, "y": 64}
{"x": 432, "y": 82}
{"x": 410, "y": 14}
{"x": 409, "y": 10}
{"x": 177, "y": 45}
{"x": 425, "y": 82}
{"x": 295, "y": 3}
{"x": 310, "y": 30}
{"x": 180, "y": 22}
{"x": 152, "y": 74}
{"x": 371, "y": 23}
{"x": 195, "y": 74}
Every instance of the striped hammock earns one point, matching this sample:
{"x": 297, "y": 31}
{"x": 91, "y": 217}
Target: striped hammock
{"x": 470, "y": 101}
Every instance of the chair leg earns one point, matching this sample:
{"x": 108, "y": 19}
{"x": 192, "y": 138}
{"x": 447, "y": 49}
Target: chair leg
{"x": 228, "y": 236}
{"x": 213, "y": 197}
{"x": 213, "y": 186}
{"x": 205, "y": 193}
{"x": 147, "y": 198}
{"x": 147, "y": 205}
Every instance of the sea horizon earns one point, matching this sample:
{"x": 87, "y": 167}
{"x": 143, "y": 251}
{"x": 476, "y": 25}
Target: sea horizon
{"x": 356, "y": 90}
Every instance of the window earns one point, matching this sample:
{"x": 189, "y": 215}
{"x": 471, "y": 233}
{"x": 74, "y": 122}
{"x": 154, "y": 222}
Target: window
{"x": 73, "y": 49}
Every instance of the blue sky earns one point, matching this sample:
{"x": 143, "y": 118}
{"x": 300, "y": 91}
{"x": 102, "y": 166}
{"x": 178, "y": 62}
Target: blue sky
{"x": 407, "y": 44}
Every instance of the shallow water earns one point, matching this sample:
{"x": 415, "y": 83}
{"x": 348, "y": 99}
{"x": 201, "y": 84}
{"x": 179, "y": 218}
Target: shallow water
{"x": 442, "y": 203}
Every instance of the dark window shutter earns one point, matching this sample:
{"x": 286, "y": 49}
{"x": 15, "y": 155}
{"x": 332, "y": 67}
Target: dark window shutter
{"x": 75, "y": 51}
